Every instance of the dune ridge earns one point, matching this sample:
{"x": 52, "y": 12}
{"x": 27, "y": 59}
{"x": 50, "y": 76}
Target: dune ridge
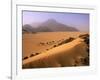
{"x": 64, "y": 55}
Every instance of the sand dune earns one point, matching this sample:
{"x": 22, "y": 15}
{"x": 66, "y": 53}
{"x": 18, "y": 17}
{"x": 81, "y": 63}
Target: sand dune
{"x": 42, "y": 41}
{"x": 68, "y": 54}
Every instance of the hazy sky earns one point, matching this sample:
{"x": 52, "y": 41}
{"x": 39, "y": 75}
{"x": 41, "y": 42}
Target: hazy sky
{"x": 78, "y": 20}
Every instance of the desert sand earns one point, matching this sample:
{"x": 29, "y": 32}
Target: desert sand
{"x": 43, "y": 41}
{"x": 69, "y": 54}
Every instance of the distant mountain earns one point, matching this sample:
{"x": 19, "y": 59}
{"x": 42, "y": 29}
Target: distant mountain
{"x": 27, "y": 28}
{"x": 50, "y": 25}
{"x": 35, "y": 24}
{"x": 53, "y": 25}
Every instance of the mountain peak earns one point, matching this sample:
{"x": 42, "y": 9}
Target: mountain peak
{"x": 51, "y": 21}
{"x": 51, "y": 25}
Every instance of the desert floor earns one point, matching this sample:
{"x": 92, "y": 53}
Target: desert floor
{"x": 49, "y": 49}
